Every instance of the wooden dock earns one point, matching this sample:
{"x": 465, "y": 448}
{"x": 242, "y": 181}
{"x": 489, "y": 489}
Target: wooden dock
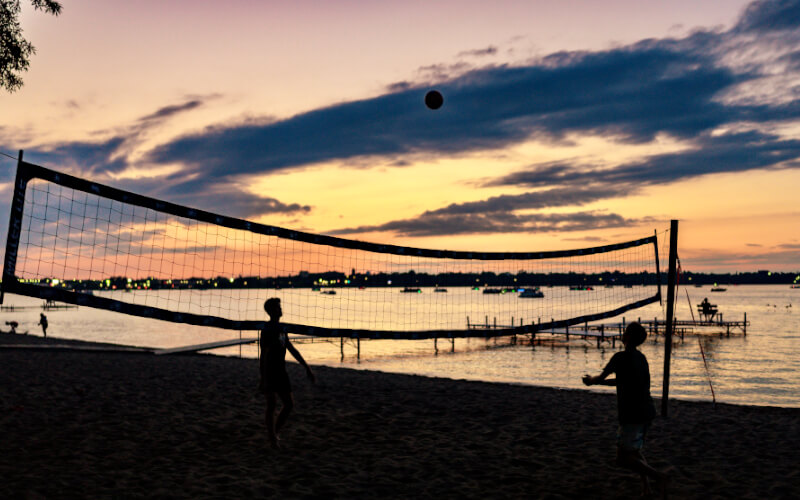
{"x": 611, "y": 332}
{"x": 56, "y": 307}
{"x": 44, "y": 307}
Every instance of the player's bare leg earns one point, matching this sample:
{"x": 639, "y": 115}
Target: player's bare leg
{"x": 288, "y": 404}
{"x": 269, "y": 417}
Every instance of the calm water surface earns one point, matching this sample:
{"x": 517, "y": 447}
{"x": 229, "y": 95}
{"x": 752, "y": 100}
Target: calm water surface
{"x": 761, "y": 368}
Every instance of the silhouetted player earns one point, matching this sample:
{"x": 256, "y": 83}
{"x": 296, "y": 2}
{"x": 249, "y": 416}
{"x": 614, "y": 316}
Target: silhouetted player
{"x": 43, "y": 322}
{"x": 635, "y": 406}
{"x": 274, "y": 379}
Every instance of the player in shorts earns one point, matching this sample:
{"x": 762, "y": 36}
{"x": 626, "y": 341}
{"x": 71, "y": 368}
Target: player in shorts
{"x": 274, "y": 378}
{"x": 634, "y": 404}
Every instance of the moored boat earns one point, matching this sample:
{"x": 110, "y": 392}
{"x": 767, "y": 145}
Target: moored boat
{"x": 534, "y": 293}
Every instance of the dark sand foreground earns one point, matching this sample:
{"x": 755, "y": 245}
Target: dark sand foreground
{"x": 119, "y": 425}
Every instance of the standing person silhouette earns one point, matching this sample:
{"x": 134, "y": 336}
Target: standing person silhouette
{"x": 274, "y": 379}
{"x": 43, "y": 322}
{"x": 634, "y": 404}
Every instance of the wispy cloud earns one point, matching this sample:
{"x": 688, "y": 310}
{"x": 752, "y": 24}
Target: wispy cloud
{"x": 439, "y": 224}
{"x": 169, "y": 111}
{"x": 735, "y": 152}
{"x": 488, "y": 51}
{"x": 224, "y": 197}
{"x": 534, "y": 200}
{"x": 111, "y": 154}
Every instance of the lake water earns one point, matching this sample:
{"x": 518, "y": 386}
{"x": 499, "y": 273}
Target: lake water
{"x": 761, "y": 368}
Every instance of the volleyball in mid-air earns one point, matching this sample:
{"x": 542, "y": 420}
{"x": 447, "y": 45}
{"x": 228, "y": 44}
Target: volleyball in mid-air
{"x": 434, "y": 99}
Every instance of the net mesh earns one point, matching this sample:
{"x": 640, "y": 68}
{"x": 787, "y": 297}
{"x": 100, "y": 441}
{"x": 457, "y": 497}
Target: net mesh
{"x": 78, "y": 245}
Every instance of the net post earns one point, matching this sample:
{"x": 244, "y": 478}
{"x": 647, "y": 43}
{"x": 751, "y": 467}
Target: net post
{"x": 14, "y": 228}
{"x": 671, "y": 278}
{"x": 658, "y": 269}
{"x": 515, "y": 332}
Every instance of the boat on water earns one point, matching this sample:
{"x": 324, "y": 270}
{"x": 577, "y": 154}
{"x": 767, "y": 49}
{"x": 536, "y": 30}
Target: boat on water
{"x": 531, "y": 293}
{"x": 329, "y": 292}
{"x": 795, "y": 286}
{"x": 499, "y": 290}
{"x": 580, "y": 287}
{"x": 410, "y": 290}
{"x": 315, "y": 289}
{"x": 718, "y": 289}
{"x": 440, "y": 290}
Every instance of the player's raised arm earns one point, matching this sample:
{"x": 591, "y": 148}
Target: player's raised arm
{"x": 601, "y": 379}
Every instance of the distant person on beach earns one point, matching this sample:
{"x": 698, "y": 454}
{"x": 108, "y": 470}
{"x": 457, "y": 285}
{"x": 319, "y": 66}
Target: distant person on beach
{"x": 634, "y": 404}
{"x": 274, "y": 379}
{"x": 43, "y": 322}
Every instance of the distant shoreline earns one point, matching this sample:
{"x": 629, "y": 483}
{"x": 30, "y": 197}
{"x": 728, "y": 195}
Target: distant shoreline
{"x": 412, "y": 279}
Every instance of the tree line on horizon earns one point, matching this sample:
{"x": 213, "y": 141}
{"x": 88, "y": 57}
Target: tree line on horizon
{"x": 418, "y": 279}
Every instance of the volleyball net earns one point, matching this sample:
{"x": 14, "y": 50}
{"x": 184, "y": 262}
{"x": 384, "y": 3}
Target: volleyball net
{"x": 75, "y": 241}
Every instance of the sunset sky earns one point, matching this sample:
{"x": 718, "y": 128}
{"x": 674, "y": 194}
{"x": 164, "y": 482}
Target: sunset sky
{"x": 565, "y": 124}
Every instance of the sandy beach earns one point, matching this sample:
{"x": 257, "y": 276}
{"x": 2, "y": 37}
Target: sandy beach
{"x": 120, "y": 425}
